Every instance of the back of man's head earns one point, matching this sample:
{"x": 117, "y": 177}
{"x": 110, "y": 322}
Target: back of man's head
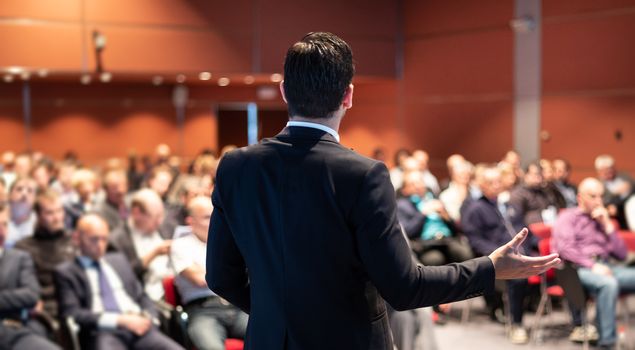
{"x": 317, "y": 72}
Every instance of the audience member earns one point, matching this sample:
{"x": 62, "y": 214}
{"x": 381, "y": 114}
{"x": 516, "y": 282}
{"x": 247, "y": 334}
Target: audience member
{"x": 396, "y": 173}
{"x": 23, "y": 218}
{"x": 488, "y": 223}
{"x": 140, "y": 241}
{"x": 102, "y": 294}
{"x": 210, "y": 318}
{"x": 587, "y": 237}
{"x": 114, "y": 208}
{"x": 458, "y": 189}
{"x": 85, "y": 184}
{"x": 619, "y": 186}
{"x": 19, "y": 292}
{"x": 530, "y": 198}
{"x": 548, "y": 184}
{"x": 561, "y": 172}
{"x": 513, "y": 158}
{"x": 49, "y": 246}
{"x": 426, "y": 222}
{"x": 430, "y": 180}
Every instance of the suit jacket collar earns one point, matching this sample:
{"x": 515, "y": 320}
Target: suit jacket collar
{"x": 299, "y": 132}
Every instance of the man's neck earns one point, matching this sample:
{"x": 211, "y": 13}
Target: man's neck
{"x": 333, "y": 122}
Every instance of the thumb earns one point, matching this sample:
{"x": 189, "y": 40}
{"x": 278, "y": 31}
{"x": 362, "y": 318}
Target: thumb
{"x": 518, "y": 239}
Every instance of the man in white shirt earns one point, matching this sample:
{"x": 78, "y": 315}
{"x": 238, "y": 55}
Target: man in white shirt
{"x": 211, "y": 318}
{"x": 23, "y": 219}
{"x": 101, "y": 293}
{"x": 142, "y": 243}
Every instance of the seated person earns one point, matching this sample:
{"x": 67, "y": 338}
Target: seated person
{"x": 428, "y": 225}
{"x": 533, "y": 202}
{"x": 587, "y": 237}
{"x": 49, "y": 246}
{"x": 619, "y": 187}
{"x": 22, "y": 218}
{"x": 561, "y": 172}
{"x": 102, "y": 294}
{"x": 19, "y": 292}
{"x": 488, "y": 224}
{"x": 142, "y": 243}
{"x": 210, "y": 319}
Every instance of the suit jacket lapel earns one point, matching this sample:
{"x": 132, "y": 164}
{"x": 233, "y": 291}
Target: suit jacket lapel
{"x": 82, "y": 277}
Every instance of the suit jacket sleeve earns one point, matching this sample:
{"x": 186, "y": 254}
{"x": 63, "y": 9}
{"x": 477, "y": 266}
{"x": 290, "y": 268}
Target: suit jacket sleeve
{"x": 385, "y": 254}
{"x": 68, "y": 291}
{"x": 28, "y": 291}
{"x": 226, "y": 271}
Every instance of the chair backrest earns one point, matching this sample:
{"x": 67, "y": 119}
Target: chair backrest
{"x": 544, "y": 248}
{"x": 170, "y": 293}
{"x": 567, "y": 277}
{"x": 540, "y": 230}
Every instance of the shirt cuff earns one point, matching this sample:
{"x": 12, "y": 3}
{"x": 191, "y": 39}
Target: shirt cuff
{"x": 108, "y": 320}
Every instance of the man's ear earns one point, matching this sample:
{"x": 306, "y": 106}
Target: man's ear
{"x": 347, "y": 101}
{"x": 284, "y": 97}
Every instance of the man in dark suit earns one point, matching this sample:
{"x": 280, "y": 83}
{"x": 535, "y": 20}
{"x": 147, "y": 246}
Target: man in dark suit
{"x": 304, "y": 235}
{"x": 19, "y": 292}
{"x": 104, "y": 297}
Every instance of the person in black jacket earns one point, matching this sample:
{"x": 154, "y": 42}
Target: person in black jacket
{"x": 19, "y": 293}
{"x": 304, "y": 235}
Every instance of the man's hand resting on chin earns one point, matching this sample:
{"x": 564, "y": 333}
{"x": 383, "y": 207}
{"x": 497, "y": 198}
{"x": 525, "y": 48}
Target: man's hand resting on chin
{"x": 510, "y": 264}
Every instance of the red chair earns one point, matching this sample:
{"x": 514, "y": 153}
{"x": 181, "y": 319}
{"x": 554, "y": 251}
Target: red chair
{"x": 629, "y": 239}
{"x": 540, "y": 230}
{"x": 172, "y": 297}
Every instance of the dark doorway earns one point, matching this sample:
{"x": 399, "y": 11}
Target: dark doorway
{"x": 232, "y": 124}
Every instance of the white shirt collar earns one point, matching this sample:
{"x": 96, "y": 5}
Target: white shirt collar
{"x": 315, "y": 126}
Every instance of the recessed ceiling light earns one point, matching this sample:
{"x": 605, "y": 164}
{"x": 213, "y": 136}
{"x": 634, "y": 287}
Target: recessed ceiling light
{"x": 25, "y": 75}
{"x": 249, "y": 79}
{"x": 105, "y": 77}
{"x": 180, "y": 78}
{"x": 224, "y": 81}
{"x": 276, "y": 77}
{"x": 205, "y": 76}
{"x": 85, "y": 79}
{"x": 157, "y": 80}
{"x": 7, "y": 78}
{"x": 43, "y": 73}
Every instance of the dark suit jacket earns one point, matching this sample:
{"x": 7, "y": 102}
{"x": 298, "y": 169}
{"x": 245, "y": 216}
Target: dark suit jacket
{"x": 75, "y": 298}
{"x": 304, "y": 237}
{"x": 19, "y": 288}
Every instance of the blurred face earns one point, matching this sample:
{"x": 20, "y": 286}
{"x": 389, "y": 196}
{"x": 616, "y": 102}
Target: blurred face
{"x": 422, "y": 158}
{"x": 161, "y": 183}
{"x": 491, "y": 184}
{"x": 65, "y": 175}
{"x": 413, "y": 185}
{"x": 199, "y": 219}
{"x": 606, "y": 173}
{"x": 23, "y": 191}
{"x": 93, "y": 238}
{"x": 116, "y": 188}
{"x": 51, "y": 215}
{"x": 560, "y": 171}
{"x": 22, "y": 165}
{"x": 4, "y": 225}
{"x": 590, "y": 196}
{"x": 147, "y": 221}
{"x": 547, "y": 171}
{"x": 533, "y": 177}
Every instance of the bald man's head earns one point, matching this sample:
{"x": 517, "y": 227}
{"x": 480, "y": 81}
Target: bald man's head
{"x": 91, "y": 235}
{"x": 590, "y": 193}
{"x": 199, "y": 212}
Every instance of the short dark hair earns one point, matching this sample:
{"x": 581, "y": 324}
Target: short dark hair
{"x": 317, "y": 72}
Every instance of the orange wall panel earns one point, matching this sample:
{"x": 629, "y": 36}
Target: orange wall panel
{"x": 577, "y": 7}
{"x": 63, "y": 10}
{"x": 595, "y": 120}
{"x": 40, "y": 46}
{"x": 480, "y": 62}
{"x": 435, "y": 17}
{"x": 596, "y": 53}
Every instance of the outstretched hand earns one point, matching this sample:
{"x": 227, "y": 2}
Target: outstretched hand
{"x": 510, "y": 264}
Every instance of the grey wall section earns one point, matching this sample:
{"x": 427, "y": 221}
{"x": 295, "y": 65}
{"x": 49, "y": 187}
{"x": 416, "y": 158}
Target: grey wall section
{"x": 527, "y": 78}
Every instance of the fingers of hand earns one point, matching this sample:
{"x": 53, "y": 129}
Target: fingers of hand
{"x": 519, "y": 238}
